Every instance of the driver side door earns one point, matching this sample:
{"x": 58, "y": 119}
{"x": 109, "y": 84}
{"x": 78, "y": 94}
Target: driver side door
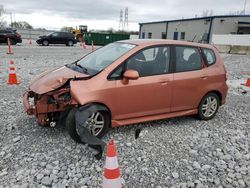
{"x": 151, "y": 93}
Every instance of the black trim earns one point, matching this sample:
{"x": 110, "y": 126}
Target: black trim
{"x": 240, "y": 22}
{"x": 140, "y": 32}
{"x": 166, "y": 30}
{"x": 210, "y": 29}
{"x": 200, "y": 18}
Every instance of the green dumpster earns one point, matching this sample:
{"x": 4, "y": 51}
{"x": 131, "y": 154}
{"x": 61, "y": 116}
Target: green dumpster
{"x": 104, "y": 38}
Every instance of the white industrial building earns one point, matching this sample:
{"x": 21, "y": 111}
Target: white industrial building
{"x": 198, "y": 29}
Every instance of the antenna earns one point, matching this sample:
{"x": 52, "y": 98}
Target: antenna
{"x": 126, "y": 19}
{"x": 121, "y": 21}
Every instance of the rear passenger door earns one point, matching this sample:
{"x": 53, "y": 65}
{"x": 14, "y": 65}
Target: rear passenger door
{"x": 189, "y": 78}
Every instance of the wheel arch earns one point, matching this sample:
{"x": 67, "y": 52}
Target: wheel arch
{"x": 218, "y": 93}
{"x": 103, "y": 105}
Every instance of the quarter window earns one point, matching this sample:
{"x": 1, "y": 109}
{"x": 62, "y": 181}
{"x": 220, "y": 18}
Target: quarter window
{"x": 151, "y": 61}
{"x": 209, "y": 56}
{"x": 187, "y": 59}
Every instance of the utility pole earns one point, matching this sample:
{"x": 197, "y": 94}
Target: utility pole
{"x": 10, "y": 19}
{"x": 125, "y": 24}
{"x": 245, "y": 5}
{"x": 121, "y": 21}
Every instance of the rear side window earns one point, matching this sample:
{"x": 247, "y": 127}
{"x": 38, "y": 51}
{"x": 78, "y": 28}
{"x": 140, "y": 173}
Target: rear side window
{"x": 209, "y": 56}
{"x": 187, "y": 59}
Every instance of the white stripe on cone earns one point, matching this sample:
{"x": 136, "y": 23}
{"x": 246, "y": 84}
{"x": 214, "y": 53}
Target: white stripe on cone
{"x": 112, "y": 183}
{"x": 12, "y": 72}
{"x": 111, "y": 163}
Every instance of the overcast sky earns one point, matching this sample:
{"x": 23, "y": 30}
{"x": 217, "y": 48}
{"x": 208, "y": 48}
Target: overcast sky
{"x": 103, "y": 14}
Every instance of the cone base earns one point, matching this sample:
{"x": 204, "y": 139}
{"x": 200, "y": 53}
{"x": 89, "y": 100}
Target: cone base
{"x": 9, "y": 83}
{"x": 9, "y": 53}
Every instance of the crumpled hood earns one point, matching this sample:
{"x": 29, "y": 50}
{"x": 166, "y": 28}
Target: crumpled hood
{"x": 53, "y": 79}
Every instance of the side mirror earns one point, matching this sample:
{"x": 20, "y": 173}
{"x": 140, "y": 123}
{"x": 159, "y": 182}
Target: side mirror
{"x": 130, "y": 75}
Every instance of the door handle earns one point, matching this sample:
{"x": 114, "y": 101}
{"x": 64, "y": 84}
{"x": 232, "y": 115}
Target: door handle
{"x": 204, "y": 77}
{"x": 164, "y": 81}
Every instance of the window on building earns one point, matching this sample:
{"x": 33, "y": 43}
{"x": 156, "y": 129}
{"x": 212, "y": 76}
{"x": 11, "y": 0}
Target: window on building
{"x": 151, "y": 61}
{"x": 183, "y": 35}
{"x": 163, "y": 35}
{"x": 143, "y": 35}
{"x": 187, "y": 59}
{"x": 149, "y": 35}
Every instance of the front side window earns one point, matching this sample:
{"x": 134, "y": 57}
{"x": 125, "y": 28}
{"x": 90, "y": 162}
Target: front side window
{"x": 187, "y": 59}
{"x": 151, "y": 61}
{"x": 209, "y": 56}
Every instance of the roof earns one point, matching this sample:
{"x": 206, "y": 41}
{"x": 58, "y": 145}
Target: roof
{"x": 198, "y": 18}
{"x": 145, "y": 42}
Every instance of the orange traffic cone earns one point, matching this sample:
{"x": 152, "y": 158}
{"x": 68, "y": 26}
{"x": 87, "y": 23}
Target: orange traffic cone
{"x": 92, "y": 44}
{"x": 12, "y": 79}
{"x": 83, "y": 45}
{"x": 9, "y": 47}
{"x": 111, "y": 176}
{"x": 248, "y": 82}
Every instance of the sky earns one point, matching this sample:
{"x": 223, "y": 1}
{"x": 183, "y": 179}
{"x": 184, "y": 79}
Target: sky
{"x": 105, "y": 14}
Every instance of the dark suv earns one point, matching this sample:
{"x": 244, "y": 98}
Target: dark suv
{"x": 66, "y": 38}
{"x": 12, "y": 34}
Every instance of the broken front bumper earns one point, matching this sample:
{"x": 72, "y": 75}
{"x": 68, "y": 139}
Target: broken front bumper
{"x": 47, "y": 107}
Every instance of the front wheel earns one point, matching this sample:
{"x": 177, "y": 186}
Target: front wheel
{"x": 70, "y": 43}
{"x": 97, "y": 124}
{"x": 208, "y": 106}
{"x": 45, "y": 43}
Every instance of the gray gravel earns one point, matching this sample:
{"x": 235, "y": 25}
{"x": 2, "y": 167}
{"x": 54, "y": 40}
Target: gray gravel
{"x": 179, "y": 152}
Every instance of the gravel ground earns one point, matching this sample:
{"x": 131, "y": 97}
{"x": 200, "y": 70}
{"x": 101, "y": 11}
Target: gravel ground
{"x": 178, "y": 152}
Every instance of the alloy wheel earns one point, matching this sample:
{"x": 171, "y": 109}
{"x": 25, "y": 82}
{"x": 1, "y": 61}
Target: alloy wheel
{"x": 209, "y": 107}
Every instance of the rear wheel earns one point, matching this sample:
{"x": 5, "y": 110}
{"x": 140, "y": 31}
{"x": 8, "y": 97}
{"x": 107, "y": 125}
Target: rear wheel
{"x": 97, "y": 124}
{"x": 45, "y": 43}
{"x": 209, "y": 106}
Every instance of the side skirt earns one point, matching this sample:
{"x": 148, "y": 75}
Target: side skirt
{"x": 117, "y": 123}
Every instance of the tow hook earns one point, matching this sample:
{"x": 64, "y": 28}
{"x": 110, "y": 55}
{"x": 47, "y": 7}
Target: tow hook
{"x": 52, "y": 124}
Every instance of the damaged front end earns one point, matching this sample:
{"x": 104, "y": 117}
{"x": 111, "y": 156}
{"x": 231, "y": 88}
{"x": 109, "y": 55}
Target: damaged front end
{"x": 47, "y": 107}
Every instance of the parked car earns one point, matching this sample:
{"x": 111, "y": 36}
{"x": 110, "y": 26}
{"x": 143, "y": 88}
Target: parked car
{"x": 6, "y": 33}
{"x": 129, "y": 82}
{"x": 58, "y": 37}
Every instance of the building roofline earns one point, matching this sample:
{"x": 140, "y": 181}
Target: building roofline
{"x": 198, "y": 18}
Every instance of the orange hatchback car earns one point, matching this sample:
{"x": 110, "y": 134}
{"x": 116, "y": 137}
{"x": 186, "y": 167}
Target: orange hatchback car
{"x": 128, "y": 82}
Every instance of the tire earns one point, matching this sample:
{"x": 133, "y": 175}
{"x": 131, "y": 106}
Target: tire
{"x": 208, "y": 106}
{"x": 71, "y": 126}
{"x": 12, "y": 42}
{"x": 70, "y": 43}
{"x": 45, "y": 43}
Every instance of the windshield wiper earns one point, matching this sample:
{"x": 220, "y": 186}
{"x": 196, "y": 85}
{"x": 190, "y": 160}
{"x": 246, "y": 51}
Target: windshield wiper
{"x": 83, "y": 68}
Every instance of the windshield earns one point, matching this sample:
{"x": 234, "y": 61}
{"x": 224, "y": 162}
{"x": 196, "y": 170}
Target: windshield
{"x": 103, "y": 57}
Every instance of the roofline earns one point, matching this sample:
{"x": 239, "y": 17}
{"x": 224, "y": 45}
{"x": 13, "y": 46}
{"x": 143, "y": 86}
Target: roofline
{"x": 198, "y": 18}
